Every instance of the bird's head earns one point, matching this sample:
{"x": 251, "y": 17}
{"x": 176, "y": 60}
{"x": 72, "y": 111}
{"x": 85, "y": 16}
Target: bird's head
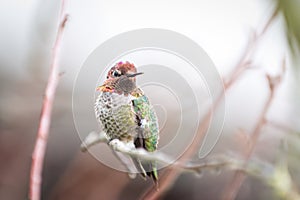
{"x": 123, "y": 69}
{"x": 120, "y": 78}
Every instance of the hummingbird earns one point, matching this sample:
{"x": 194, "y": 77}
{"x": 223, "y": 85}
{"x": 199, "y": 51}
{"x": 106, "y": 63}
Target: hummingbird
{"x": 125, "y": 113}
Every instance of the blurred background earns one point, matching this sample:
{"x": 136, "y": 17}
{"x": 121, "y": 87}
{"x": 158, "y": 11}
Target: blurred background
{"x": 221, "y": 28}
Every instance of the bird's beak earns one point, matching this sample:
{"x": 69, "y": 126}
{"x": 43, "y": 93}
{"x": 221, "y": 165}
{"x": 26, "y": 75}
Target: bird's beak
{"x": 99, "y": 88}
{"x": 134, "y": 75}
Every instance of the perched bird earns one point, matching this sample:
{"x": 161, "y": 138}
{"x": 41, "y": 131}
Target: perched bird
{"x": 126, "y": 114}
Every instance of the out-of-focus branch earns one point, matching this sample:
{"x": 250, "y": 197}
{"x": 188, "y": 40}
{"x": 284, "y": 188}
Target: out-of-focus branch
{"x": 118, "y": 146}
{"x": 239, "y": 177}
{"x": 245, "y": 59}
{"x": 276, "y": 177}
{"x": 224, "y": 161}
{"x": 243, "y": 63}
{"x": 281, "y": 127}
{"x": 45, "y": 118}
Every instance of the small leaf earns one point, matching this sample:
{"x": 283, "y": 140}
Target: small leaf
{"x": 291, "y": 15}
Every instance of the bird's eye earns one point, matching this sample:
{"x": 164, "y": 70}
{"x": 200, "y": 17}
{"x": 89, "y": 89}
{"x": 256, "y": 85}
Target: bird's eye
{"x": 116, "y": 73}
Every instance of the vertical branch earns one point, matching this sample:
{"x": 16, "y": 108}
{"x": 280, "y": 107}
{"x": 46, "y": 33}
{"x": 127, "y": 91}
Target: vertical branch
{"x": 239, "y": 177}
{"x": 243, "y": 63}
{"x": 45, "y": 118}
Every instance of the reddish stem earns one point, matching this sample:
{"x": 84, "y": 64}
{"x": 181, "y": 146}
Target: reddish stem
{"x": 45, "y": 118}
{"x": 239, "y": 177}
{"x": 171, "y": 174}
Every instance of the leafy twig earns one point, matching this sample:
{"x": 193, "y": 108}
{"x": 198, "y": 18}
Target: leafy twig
{"x": 45, "y": 118}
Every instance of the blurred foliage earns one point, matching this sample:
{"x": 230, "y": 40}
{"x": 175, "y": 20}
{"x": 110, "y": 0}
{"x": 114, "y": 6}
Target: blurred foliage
{"x": 293, "y": 153}
{"x": 290, "y": 10}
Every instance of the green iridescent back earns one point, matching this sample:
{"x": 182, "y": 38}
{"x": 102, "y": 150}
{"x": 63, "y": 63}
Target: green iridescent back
{"x": 148, "y": 122}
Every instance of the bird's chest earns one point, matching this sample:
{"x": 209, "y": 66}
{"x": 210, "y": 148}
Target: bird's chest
{"x": 114, "y": 112}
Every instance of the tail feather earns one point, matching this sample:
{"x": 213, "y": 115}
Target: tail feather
{"x": 140, "y": 168}
{"x": 153, "y": 173}
{"x": 147, "y": 169}
{"x": 135, "y": 165}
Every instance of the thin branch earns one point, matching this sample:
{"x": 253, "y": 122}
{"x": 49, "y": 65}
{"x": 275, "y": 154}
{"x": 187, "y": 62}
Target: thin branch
{"x": 231, "y": 162}
{"x": 92, "y": 139}
{"x": 45, "y": 118}
{"x": 211, "y": 163}
{"x": 281, "y": 127}
{"x": 273, "y": 176}
{"x": 244, "y": 61}
{"x": 239, "y": 177}
{"x": 171, "y": 175}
